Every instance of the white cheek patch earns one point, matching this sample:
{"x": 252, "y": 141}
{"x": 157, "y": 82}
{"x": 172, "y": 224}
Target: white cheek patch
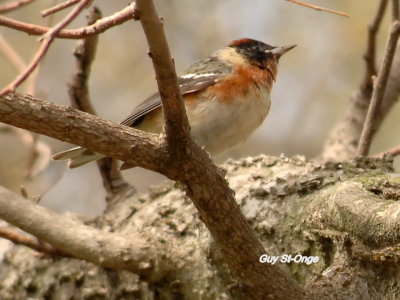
{"x": 231, "y": 57}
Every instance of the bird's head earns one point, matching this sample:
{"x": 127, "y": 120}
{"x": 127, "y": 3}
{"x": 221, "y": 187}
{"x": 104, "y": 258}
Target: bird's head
{"x": 258, "y": 53}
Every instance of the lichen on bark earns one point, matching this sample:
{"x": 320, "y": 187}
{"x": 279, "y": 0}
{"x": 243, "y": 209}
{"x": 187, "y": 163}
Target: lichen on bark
{"x": 342, "y": 212}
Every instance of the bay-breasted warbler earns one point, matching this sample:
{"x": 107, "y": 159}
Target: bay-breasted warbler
{"x": 226, "y": 96}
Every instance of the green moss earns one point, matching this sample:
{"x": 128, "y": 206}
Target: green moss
{"x": 385, "y": 185}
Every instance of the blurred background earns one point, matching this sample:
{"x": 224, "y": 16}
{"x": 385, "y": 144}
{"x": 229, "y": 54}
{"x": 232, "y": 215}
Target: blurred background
{"x": 314, "y": 83}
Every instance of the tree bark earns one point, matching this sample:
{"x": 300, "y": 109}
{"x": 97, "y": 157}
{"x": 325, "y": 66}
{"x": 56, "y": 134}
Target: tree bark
{"x": 295, "y": 206}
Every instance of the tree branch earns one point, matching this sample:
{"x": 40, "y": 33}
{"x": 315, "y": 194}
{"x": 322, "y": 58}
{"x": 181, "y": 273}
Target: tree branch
{"x": 12, "y": 56}
{"x": 339, "y": 212}
{"x": 392, "y": 151}
{"x": 47, "y": 39}
{"x": 78, "y": 91}
{"x": 81, "y": 241}
{"x": 176, "y": 123}
{"x": 31, "y": 242}
{"x": 395, "y": 10}
{"x": 14, "y": 5}
{"x": 378, "y": 92}
{"x": 342, "y": 142}
{"x": 73, "y": 126}
{"x": 319, "y": 8}
{"x": 100, "y": 26}
{"x": 205, "y": 183}
{"x": 370, "y": 54}
{"x": 58, "y": 7}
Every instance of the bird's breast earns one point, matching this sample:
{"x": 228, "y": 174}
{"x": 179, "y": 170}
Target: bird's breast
{"x": 219, "y": 123}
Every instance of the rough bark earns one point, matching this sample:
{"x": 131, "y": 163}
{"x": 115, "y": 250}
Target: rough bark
{"x": 294, "y": 205}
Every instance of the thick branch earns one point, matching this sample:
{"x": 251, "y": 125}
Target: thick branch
{"x": 79, "y": 33}
{"x": 84, "y": 242}
{"x": 205, "y": 183}
{"x": 73, "y": 126}
{"x": 346, "y": 209}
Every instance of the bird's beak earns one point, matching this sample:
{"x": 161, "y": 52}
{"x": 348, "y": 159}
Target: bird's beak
{"x": 279, "y": 51}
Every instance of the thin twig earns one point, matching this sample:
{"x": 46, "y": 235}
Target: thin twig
{"x": 370, "y": 54}
{"x": 392, "y": 151}
{"x": 58, "y": 7}
{"x": 31, "y": 242}
{"x": 79, "y": 95}
{"x": 9, "y": 52}
{"x": 14, "y": 5}
{"x": 84, "y": 53}
{"x": 319, "y": 8}
{"x": 395, "y": 10}
{"x": 378, "y": 92}
{"x": 128, "y": 13}
{"x": 12, "y": 55}
{"x": 46, "y": 40}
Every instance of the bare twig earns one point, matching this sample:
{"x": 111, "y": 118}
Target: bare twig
{"x": 7, "y": 50}
{"x": 117, "y": 188}
{"x": 370, "y": 54}
{"x": 14, "y": 5}
{"x": 79, "y": 94}
{"x": 33, "y": 155}
{"x": 395, "y": 10}
{"x": 319, "y": 8}
{"x": 100, "y": 26}
{"x": 84, "y": 53}
{"x": 47, "y": 39}
{"x": 31, "y": 242}
{"x": 343, "y": 139}
{"x": 379, "y": 90}
{"x": 392, "y": 151}
{"x": 58, "y": 7}
{"x": 12, "y": 55}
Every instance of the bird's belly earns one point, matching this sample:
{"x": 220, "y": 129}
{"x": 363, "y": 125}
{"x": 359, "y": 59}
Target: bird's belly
{"x": 219, "y": 126}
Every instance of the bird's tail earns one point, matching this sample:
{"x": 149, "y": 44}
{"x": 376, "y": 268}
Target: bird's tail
{"x": 77, "y": 156}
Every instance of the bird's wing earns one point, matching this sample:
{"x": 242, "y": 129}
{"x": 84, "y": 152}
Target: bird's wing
{"x": 189, "y": 83}
{"x": 198, "y": 76}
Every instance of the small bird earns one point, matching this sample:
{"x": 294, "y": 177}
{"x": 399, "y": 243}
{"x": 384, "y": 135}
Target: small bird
{"x": 226, "y": 96}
